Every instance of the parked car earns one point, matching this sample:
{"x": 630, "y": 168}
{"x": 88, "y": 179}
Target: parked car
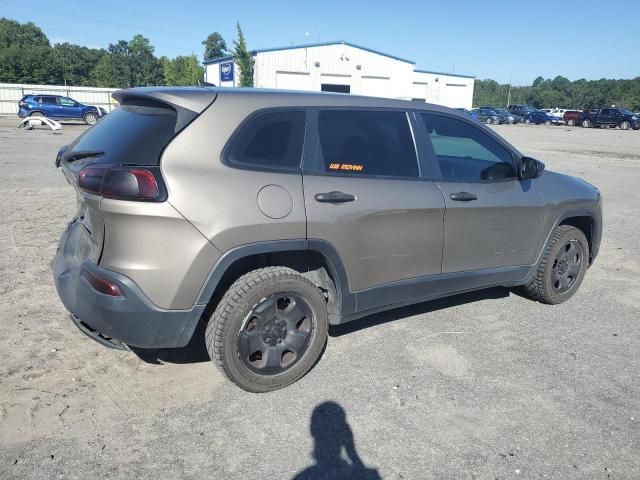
{"x": 572, "y": 117}
{"x": 471, "y": 113}
{"x": 520, "y": 110}
{"x": 611, "y": 117}
{"x": 58, "y": 107}
{"x": 511, "y": 117}
{"x": 200, "y": 214}
{"x": 537, "y": 117}
{"x": 489, "y": 115}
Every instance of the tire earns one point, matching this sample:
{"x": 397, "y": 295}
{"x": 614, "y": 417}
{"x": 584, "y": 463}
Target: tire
{"x": 571, "y": 122}
{"x": 256, "y": 314}
{"x": 90, "y": 118}
{"x": 489, "y": 121}
{"x": 36, "y": 114}
{"x": 625, "y": 125}
{"x": 586, "y": 123}
{"x": 548, "y": 123}
{"x": 566, "y": 256}
{"x": 527, "y": 121}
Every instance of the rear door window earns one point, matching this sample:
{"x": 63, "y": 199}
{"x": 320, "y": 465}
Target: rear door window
{"x": 465, "y": 153}
{"x": 49, "y": 100}
{"x": 132, "y": 134}
{"x": 269, "y": 140}
{"x": 366, "y": 143}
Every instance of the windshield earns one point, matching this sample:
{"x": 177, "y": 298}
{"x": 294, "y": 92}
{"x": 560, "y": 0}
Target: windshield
{"x": 624, "y": 111}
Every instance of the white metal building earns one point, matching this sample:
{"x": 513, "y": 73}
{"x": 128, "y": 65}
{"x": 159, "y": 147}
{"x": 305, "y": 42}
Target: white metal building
{"x": 347, "y": 68}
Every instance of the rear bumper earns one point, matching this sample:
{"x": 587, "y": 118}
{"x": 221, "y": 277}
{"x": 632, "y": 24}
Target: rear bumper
{"x": 130, "y": 319}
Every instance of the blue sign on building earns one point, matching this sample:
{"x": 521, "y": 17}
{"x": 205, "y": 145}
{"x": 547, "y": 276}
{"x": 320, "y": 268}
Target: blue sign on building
{"x": 226, "y": 72}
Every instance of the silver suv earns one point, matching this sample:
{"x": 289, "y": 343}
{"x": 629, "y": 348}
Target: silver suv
{"x": 269, "y": 216}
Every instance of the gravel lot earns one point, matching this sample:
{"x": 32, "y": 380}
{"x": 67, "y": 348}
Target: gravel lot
{"x": 481, "y": 386}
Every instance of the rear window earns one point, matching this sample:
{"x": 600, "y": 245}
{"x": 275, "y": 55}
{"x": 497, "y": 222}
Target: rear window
{"x": 131, "y": 134}
{"x": 270, "y": 140}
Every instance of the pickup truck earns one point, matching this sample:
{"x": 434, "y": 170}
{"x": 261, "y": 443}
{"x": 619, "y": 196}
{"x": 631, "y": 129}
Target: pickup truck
{"x": 572, "y": 117}
{"x": 610, "y": 117}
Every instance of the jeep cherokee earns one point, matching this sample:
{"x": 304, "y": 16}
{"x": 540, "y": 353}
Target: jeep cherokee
{"x": 270, "y": 215}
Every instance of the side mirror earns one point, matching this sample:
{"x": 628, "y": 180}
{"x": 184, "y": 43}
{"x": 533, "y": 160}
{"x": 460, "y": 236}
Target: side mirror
{"x": 531, "y": 168}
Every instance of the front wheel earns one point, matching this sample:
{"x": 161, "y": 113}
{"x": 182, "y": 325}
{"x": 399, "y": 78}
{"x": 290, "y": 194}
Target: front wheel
{"x": 527, "y": 121}
{"x": 90, "y": 118}
{"x": 268, "y": 330}
{"x": 547, "y": 123}
{"x": 562, "y": 267}
{"x": 625, "y": 125}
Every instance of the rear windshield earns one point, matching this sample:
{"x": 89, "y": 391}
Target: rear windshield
{"x": 131, "y": 134}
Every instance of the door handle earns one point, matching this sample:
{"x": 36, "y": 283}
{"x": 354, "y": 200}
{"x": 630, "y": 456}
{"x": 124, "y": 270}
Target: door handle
{"x": 334, "y": 197}
{"x": 463, "y": 197}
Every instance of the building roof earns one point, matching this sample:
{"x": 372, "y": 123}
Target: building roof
{"x": 229, "y": 58}
{"x": 444, "y": 73}
{"x": 312, "y": 45}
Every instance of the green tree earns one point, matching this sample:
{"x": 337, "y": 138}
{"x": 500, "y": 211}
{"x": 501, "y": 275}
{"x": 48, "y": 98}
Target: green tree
{"x": 75, "y": 63}
{"x": 214, "y": 46}
{"x": 111, "y": 71}
{"x": 183, "y": 70}
{"x": 13, "y": 33}
{"x": 243, "y": 58}
{"x": 145, "y": 68}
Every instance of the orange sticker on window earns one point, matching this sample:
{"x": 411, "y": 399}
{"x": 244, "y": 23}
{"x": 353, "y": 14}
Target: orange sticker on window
{"x": 346, "y": 166}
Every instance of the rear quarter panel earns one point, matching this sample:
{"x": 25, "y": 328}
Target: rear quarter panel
{"x": 222, "y": 201}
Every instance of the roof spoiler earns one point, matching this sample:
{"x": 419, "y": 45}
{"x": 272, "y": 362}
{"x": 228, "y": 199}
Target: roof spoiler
{"x": 188, "y": 102}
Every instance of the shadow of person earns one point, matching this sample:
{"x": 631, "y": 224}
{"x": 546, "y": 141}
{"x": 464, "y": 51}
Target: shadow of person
{"x": 332, "y": 435}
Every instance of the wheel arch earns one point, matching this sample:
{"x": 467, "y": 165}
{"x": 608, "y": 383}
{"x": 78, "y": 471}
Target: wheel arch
{"x": 317, "y": 260}
{"x": 585, "y": 223}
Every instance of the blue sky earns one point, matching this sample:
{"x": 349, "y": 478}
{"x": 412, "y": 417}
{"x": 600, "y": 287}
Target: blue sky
{"x": 503, "y": 40}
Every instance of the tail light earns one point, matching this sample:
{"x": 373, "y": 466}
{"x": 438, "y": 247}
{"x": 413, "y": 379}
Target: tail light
{"x": 22, "y": 103}
{"x": 102, "y": 285}
{"x": 142, "y": 184}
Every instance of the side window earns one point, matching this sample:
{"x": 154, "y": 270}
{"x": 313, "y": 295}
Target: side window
{"x": 465, "y": 153}
{"x": 364, "y": 143}
{"x": 49, "y": 100}
{"x": 605, "y": 111}
{"x": 66, "y": 102}
{"x": 270, "y": 140}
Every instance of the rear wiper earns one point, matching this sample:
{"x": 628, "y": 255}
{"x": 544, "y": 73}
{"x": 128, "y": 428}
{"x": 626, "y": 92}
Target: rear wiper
{"x": 73, "y": 156}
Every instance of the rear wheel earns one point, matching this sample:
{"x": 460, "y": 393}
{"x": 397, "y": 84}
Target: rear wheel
{"x": 625, "y": 125}
{"x": 586, "y": 123}
{"x": 90, "y": 118}
{"x": 547, "y": 123}
{"x": 571, "y": 122}
{"x": 489, "y": 121}
{"x": 527, "y": 121}
{"x": 36, "y": 114}
{"x": 268, "y": 330}
{"x": 562, "y": 267}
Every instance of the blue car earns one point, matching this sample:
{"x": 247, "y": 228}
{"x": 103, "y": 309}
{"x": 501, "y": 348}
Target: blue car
{"x": 58, "y": 107}
{"x": 538, "y": 117}
{"x": 472, "y": 113}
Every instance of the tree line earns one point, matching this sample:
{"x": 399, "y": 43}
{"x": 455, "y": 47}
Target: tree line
{"x": 561, "y": 93}
{"x": 27, "y": 56}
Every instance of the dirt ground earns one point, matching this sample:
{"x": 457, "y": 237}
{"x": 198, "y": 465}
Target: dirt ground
{"x": 481, "y": 386}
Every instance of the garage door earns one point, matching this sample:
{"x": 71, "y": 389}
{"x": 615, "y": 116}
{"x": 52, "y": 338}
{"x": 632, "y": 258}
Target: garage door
{"x": 376, "y": 86}
{"x": 293, "y": 81}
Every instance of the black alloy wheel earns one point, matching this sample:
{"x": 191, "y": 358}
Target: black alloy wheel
{"x": 276, "y": 333}
{"x": 567, "y": 266}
